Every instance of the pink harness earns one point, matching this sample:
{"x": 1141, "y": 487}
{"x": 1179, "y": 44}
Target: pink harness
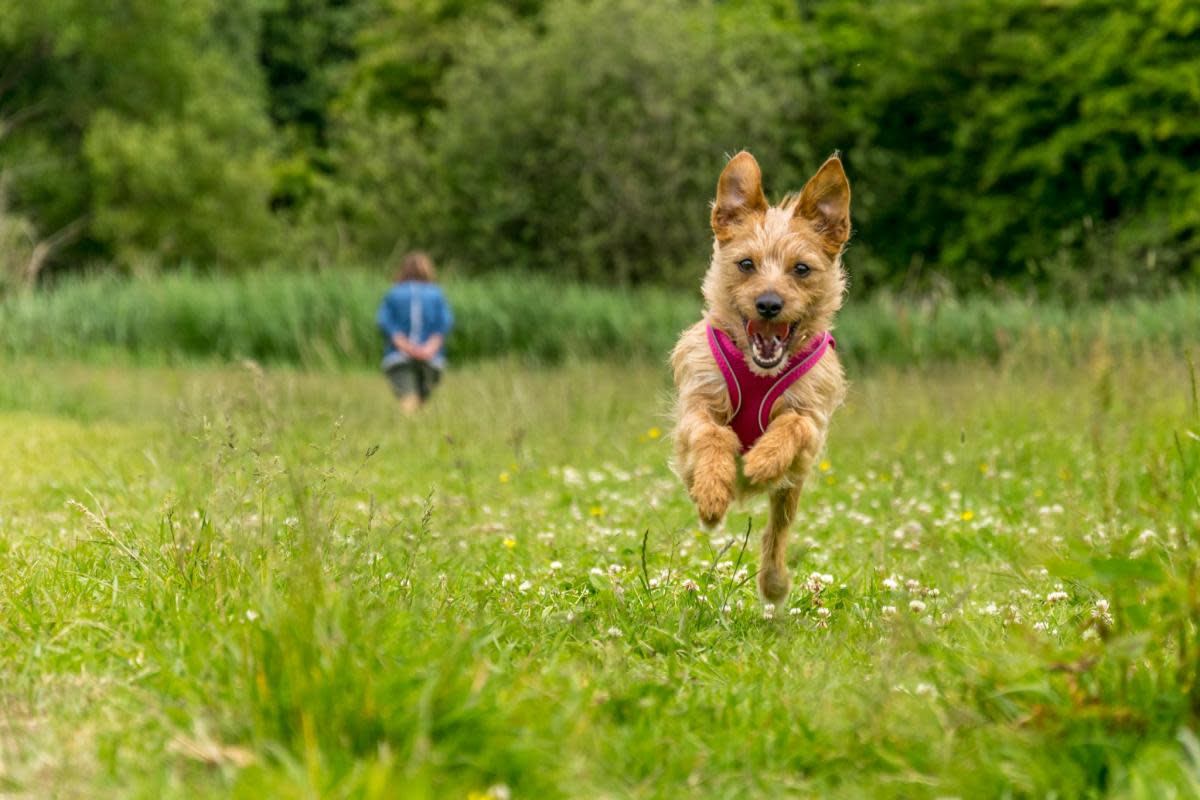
{"x": 752, "y": 396}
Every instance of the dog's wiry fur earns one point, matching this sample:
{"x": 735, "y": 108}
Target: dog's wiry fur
{"x": 810, "y": 228}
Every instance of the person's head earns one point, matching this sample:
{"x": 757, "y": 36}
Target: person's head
{"x": 416, "y": 266}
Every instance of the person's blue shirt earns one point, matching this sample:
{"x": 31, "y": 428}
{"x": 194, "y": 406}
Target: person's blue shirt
{"x": 417, "y": 310}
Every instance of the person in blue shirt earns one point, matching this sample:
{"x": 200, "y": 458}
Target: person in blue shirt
{"x": 415, "y": 320}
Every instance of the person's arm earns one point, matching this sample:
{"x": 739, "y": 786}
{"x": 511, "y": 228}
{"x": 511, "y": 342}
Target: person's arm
{"x": 406, "y": 345}
{"x": 430, "y": 349}
{"x": 439, "y": 328}
{"x": 386, "y": 318}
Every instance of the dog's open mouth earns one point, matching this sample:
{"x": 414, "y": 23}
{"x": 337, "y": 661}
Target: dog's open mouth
{"x": 768, "y": 341}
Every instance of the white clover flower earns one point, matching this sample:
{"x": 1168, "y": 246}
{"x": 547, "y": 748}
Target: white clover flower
{"x": 251, "y": 615}
{"x": 823, "y": 612}
{"x": 525, "y": 586}
{"x": 1040, "y": 626}
{"x": 691, "y": 586}
{"x": 768, "y": 610}
{"x": 891, "y": 584}
{"x": 926, "y": 689}
{"x": 508, "y": 577}
{"x": 614, "y": 569}
{"x": 888, "y": 611}
{"x": 795, "y": 611}
{"x": 614, "y": 632}
{"x": 1056, "y": 596}
{"x": 916, "y": 606}
{"x": 556, "y": 565}
{"x": 1101, "y": 613}
{"x": 595, "y": 571}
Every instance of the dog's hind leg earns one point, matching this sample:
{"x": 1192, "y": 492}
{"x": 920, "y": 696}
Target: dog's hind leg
{"x": 774, "y": 583}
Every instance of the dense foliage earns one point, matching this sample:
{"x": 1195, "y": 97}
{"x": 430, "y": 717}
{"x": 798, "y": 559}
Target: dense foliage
{"x": 1048, "y": 145}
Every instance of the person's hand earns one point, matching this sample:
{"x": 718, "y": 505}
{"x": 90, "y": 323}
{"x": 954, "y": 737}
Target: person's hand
{"x": 424, "y": 352}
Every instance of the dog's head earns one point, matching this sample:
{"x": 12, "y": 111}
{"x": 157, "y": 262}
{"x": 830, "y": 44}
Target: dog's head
{"x": 776, "y": 275}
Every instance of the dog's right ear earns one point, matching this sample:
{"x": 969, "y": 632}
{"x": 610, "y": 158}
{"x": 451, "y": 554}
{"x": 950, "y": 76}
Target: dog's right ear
{"x": 739, "y": 195}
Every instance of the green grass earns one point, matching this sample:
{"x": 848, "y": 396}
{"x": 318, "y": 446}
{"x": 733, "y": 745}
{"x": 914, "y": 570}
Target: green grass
{"x": 219, "y": 581}
{"x": 326, "y": 319}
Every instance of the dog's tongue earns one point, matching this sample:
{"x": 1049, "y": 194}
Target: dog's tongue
{"x": 767, "y": 340}
{"x": 768, "y": 330}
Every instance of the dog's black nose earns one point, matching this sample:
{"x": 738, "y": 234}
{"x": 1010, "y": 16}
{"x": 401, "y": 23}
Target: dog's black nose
{"x": 769, "y": 305}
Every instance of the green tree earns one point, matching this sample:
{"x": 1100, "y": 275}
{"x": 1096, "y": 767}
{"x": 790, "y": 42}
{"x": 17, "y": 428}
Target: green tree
{"x": 141, "y": 122}
{"x": 1021, "y": 141}
{"x": 588, "y": 145}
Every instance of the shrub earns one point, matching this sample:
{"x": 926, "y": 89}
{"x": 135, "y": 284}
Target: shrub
{"x": 1023, "y": 142}
{"x": 589, "y": 147}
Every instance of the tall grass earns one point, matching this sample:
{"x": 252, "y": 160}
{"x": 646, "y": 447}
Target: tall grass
{"x": 327, "y": 319}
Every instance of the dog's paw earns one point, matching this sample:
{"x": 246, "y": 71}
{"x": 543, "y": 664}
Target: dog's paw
{"x": 712, "y": 498}
{"x": 766, "y": 464}
{"x": 774, "y": 584}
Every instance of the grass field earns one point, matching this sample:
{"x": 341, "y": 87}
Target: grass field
{"x": 220, "y": 581}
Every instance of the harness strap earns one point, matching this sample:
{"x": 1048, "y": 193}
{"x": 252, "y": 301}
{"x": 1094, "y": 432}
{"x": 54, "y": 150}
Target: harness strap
{"x": 752, "y": 396}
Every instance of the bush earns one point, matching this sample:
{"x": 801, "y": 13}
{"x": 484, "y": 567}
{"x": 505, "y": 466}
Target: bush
{"x": 588, "y": 145}
{"x": 143, "y": 123}
{"x": 1020, "y": 142}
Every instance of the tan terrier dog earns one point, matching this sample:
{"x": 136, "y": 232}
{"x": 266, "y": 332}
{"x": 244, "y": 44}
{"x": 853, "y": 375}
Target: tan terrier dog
{"x": 758, "y": 379}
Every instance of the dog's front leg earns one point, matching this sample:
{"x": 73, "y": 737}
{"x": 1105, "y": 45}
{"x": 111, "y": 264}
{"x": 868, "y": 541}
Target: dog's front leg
{"x": 707, "y": 452}
{"x": 790, "y": 443}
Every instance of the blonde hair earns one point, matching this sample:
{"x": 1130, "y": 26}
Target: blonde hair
{"x": 416, "y": 266}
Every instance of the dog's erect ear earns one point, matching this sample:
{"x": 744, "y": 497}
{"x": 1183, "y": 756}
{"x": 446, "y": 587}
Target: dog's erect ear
{"x": 739, "y": 194}
{"x": 825, "y": 202}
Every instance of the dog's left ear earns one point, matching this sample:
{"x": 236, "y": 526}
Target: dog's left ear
{"x": 825, "y": 202}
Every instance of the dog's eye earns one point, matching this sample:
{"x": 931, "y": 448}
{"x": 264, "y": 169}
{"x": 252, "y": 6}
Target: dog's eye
{"x": 746, "y": 265}
{"x": 801, "y": 269}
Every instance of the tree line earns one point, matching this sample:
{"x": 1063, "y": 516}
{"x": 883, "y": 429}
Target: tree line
{"x": 1042, "y": 145}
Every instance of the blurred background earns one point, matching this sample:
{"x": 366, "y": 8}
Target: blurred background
{"x": 1012, "y": 150}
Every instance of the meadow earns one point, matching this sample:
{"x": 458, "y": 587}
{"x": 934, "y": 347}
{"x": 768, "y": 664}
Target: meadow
{"x": 237, "y": 581}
